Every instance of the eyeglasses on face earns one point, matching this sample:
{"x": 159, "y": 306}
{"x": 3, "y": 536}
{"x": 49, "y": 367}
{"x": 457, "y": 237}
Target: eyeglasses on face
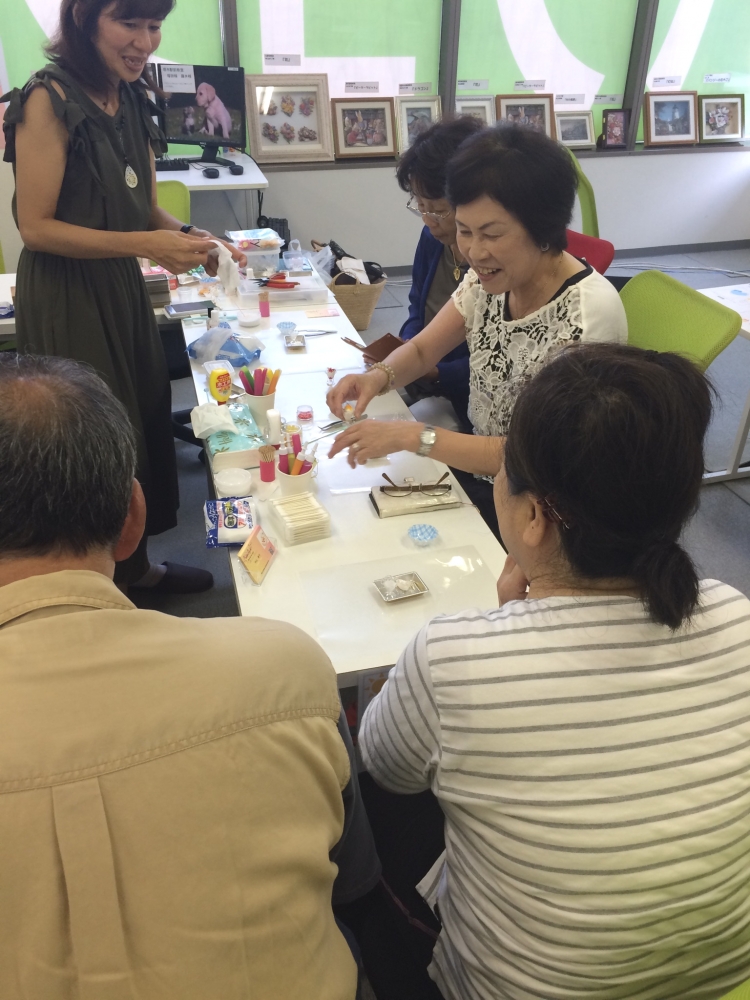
{"x": 413, "y": 207}
{"x": 438, "y": 489}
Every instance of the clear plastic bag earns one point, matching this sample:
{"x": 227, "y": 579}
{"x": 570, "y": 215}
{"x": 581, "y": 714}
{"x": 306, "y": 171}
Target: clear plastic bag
{"x": 323, "y": 261}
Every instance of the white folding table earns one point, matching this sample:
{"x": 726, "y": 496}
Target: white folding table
{"x": 325, "y": 587}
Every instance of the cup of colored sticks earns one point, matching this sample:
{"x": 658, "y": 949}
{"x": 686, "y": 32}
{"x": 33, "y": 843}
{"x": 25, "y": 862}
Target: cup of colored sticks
{"x": 260, "y": 392}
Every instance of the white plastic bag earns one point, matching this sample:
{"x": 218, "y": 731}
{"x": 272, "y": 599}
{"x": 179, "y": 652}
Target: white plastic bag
{"x": 323, "y": 260}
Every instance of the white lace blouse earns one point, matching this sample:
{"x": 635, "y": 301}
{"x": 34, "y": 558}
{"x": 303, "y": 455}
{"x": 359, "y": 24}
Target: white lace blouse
{"x": 504, "y": 353}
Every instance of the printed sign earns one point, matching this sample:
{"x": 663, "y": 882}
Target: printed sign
{"x": 275, "y": 59}
{"x": 368, "y": 87}
{"x": 472, "y": 84}
{"x": 178, "y": 79}
{"x": 717, "y": 78}
{"x": 529, "y": 85}
{"x": 415, "y": 88}
{"x": 666, "y": 81}
{"x": 570, "y": 98}
{"x": 608, "y": 99}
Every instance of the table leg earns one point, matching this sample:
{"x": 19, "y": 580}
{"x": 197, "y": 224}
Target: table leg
{"x": 733, "y": 470}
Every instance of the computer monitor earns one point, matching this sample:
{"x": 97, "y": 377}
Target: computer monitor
{"x": 204, "y": 106}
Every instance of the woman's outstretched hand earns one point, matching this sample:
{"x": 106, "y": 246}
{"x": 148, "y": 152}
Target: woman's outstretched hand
{"x": 359, "y": 388}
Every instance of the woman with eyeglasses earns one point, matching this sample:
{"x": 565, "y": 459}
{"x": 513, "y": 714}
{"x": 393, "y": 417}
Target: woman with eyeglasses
{"x": 439, "y": 266}
{"x": 588, "y": 742}
{"x": 513, "y": 191}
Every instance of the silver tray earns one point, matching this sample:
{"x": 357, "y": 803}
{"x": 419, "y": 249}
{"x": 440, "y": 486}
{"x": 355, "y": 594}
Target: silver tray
{"x": 295, "y": 341}
{"x": 389, "y": 590}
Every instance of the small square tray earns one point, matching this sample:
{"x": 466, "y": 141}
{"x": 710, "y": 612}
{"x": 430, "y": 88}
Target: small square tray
{"x": 295, "y": 341}
{"x": 389, "y": 594}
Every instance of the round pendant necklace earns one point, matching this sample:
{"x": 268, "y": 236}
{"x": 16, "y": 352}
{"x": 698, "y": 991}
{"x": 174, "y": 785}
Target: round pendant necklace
{"x": 131, "y": 177}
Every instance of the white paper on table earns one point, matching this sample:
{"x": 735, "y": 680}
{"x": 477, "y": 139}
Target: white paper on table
{"x": 343, "y": 601}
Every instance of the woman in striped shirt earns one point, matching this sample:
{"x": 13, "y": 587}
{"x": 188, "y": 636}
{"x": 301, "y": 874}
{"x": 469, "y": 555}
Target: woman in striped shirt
{"x": 588, "y": 741}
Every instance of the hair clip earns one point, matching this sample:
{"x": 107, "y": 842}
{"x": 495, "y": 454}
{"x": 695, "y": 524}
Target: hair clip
{"x": 550, "y": 511}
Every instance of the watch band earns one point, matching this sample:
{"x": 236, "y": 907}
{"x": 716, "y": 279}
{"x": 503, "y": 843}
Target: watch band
{"x": 186, "y": 228}
{"x": 427, "y": 440}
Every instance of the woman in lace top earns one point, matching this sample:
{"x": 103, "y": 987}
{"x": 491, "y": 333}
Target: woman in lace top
{"x": 524, "y": 297}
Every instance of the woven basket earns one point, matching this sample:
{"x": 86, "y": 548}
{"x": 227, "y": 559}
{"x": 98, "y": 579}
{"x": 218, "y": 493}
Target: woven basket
{"x": 358, "y": 301}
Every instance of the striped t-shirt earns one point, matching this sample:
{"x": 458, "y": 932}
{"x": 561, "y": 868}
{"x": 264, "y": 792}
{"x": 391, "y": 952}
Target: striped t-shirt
{"x": 594, "y": 771}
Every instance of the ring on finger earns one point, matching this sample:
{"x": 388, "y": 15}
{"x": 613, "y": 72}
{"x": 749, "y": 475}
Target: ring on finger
{"x": 354, "y": 446}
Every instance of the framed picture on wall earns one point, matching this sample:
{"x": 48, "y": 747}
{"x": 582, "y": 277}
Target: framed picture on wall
{"x": 615, "y": 122}
{"x": 532, "y": 111}
{"x": 414, "y": 115}
{"x": 288, "y": 117}
{"x": 482, "y": 108}
{"x": 575, "y": 128}
{"x": 671, "y": 119}
{"x": 721, "y": 117}
{"x": 363, "y": 126}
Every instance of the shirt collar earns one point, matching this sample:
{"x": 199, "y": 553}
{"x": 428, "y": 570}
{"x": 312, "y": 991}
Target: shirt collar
{"x": 74, "y": 589}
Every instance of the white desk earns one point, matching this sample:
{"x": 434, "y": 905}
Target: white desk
{"x": 325, "y": 587}
{"x": 251, "y": 180}
{"x": 737, "y": 297}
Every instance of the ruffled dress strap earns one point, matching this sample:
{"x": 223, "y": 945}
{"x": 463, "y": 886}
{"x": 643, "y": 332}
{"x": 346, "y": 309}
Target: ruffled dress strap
{"x": 156, "y": 137}
{"x": 82, "y": 130}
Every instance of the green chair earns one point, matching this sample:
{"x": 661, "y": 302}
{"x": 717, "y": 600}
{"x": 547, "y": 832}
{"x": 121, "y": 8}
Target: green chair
{"x": 174, "y": 198}
{"x": 741, "y": 992}
{"x": 665, "y": 315}
{"x": 589, "y": 218}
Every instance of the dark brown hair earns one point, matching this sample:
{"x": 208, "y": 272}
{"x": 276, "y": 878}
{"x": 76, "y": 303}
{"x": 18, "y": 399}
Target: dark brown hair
{"x": 613, "y": 437}
{"x": 526, "y": 172}
{"x": 424, "y": 162}
{"x": 73, "y": 48}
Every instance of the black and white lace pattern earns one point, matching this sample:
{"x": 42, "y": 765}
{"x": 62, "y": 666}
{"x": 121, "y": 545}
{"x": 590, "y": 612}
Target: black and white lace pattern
{"x": 505, "y": 354}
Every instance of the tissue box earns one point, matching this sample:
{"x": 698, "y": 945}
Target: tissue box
{"x": 227, "y": 450}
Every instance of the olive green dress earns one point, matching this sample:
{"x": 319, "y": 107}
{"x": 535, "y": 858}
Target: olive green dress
{"x": 98, "y": 311}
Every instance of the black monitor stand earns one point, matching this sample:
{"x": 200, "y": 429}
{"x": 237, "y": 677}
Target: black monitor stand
{"x": 209, "y": 157}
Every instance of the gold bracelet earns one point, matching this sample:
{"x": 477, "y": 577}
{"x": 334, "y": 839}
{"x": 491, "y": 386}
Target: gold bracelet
{"x": 389, "y": 372}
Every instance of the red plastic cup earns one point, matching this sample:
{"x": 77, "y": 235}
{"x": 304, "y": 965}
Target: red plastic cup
{"x": 267, "y": 472}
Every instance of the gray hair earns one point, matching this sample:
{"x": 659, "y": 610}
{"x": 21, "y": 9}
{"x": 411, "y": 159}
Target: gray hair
{"x": 67, "y": 458}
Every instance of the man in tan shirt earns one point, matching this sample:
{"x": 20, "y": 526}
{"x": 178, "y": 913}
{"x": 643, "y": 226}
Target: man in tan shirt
{"x": 170, "y": 788}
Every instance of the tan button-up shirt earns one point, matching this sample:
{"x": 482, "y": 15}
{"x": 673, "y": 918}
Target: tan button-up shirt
{"x": 170, "y": 790}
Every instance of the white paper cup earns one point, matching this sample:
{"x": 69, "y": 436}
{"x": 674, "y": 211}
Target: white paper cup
{"x": 289, "y": 486}
{"x": 233, "y": 483}
{"x": 259, "y": 407}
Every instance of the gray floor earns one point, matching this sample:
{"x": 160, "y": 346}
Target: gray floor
{"x": 718, "y": 537}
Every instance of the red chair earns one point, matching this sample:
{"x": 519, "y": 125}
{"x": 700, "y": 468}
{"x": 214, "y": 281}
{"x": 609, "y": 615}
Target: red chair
{"x": 598, "y": 253}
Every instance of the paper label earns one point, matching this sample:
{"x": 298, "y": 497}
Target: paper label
{"x": 177, "y": 79}
{"x": 608, "y": 99}
{"x": 318, "y": 312}
{"x": 570, "y": 98}
{"x": 368, "y": 87}
{"x": 415, "y": 88}
{"x": 276, "y": 59}
{"x": 717, "y": 78}
{"x": 472, "y": 84}
{"x": 529, "y": 85}
{"x": 666, "y": 81}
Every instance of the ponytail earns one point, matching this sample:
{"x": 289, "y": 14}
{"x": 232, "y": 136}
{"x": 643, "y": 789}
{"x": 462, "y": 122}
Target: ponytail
{"x": 668, "y": 582}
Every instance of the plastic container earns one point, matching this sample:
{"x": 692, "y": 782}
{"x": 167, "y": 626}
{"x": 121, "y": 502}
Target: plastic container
{"x": 291, "y": 485}
{"x": 259, "y": 407}
{"x": 423, "y": 534}
{"x": 262, "y": 262}
{"x": 233, "y": 483}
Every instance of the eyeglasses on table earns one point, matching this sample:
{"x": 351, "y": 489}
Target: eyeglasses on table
{"x": 440, "y": 488}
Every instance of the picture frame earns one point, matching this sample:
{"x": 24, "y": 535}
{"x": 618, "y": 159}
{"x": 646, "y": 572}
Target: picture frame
{"x": 721, "y": 117}
{"x": 615, "y": 124}
{"x": 363, "y": 126}
{"x": 670, "y": 118}
{"x": 288, "y": 117}
{"x": 414, "y": 115}
{"x": 482, "y": 107}
{"x": 531, "y": 110}
{"x": 575, "y": 129}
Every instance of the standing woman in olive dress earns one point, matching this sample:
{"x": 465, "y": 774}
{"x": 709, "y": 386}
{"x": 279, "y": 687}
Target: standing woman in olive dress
{"x": 82, "y": 139}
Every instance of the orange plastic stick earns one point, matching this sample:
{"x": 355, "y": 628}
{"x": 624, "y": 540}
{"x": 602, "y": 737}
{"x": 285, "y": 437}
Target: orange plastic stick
{"x": 274, "y": 380}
